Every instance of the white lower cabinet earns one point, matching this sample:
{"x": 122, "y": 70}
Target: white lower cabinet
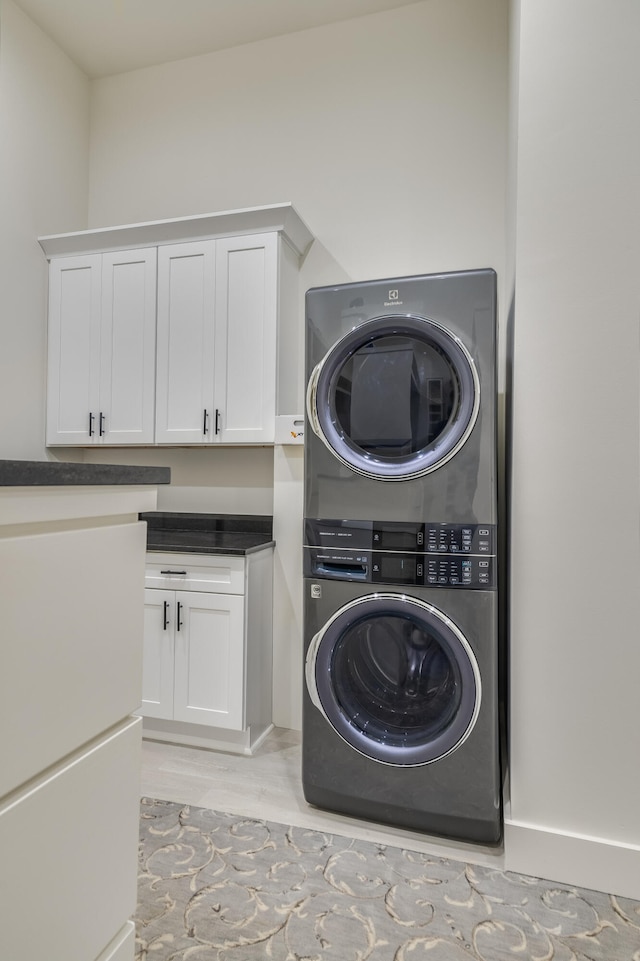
{"x": 69, "y": 842}
{"x": 72, "y": 561}
{"x": 194, "y": 657}
{"x": 207, "y": 652}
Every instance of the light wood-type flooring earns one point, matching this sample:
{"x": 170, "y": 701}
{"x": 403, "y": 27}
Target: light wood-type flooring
{"x": 268, "y": 786}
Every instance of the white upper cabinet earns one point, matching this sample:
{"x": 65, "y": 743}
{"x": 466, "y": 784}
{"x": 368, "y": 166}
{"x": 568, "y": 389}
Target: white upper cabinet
{"x": 127, "y": 346}
{"x": 185, "y": 364}
{"x": 101, "y": 349}
{"x": 74, "y": 349}
{"x": 217, "y": 312}
{"x": 246, "y": 322}
{"x": 171, "y": 332}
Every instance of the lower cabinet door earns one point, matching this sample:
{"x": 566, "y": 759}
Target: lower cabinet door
{"x": 157, "y": 660}
{"x": 69, "y": 847}
{"x": 209, "y": 660}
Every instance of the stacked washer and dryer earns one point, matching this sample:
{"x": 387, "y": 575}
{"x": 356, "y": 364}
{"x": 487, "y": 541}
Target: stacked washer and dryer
{"x": 401, "y": 697}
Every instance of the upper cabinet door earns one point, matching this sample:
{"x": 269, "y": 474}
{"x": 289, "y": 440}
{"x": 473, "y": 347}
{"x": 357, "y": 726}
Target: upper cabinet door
{"x": 246, "y": 316}
{"x": 74, "y": 350}
{"x": 185, "y": 343}
{"x": 128, "y": 342}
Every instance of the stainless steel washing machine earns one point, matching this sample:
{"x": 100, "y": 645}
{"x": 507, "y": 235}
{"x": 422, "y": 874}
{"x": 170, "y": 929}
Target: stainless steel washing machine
{"x": 401, "y": 694}
{"x": 401, "y": 381}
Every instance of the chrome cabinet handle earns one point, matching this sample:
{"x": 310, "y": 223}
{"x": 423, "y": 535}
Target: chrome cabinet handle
{"x": 178, "y": 613}
{"x": 91, "y": 419}
{"x": 165, "y": 616}
{"x": 205, "y": 418}
{"x": 217, "y": 430}
{"x": 102, "y": 430}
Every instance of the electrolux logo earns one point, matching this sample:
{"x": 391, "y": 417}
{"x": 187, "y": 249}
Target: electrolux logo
{"x": 394, "y": 299}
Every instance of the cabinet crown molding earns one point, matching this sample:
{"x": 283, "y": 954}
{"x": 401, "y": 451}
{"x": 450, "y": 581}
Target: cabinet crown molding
{"x": 275, "y": 218}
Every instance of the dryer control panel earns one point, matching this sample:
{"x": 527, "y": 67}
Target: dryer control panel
{"x": 429, "y": 555}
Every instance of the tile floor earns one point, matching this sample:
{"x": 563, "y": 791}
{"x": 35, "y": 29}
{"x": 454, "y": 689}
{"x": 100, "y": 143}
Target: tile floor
{"x": 268, "y": 786}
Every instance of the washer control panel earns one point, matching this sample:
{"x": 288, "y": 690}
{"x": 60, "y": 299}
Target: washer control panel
{"x": 397, "y": 536}
{"x": 428, "y": 555}
{"x": 460, "y": 538}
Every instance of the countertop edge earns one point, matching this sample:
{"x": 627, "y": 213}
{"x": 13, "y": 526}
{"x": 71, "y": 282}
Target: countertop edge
{"x": 229, "y": 551}
{"x": 20, "y": 473}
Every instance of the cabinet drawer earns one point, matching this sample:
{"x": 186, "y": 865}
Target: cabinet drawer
{"x": 213, "y": 573}
{"x": 68, "y": 847}
{"x": 72, "y": 658}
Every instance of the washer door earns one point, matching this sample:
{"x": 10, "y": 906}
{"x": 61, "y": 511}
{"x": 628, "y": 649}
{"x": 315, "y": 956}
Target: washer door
{"x": 395, "y": 678}
{"x": 395, "y": 398}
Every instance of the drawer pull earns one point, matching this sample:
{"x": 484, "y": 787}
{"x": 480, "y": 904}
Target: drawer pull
{"x": 178, "y": 621}
{"x": 165, "y": 616}
{"x": 173, "y": 572}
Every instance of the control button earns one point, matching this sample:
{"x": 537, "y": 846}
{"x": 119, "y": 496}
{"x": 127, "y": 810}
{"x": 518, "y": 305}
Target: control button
{"x": 443, "y": 580}
{"x": 454, "y": 580}
{"x": 376, "y": 537}
{"x": 483, "y": 548}
{"x": 466, "y": 548}
{"x": 376, "y": 568}
{"x": 420, "y": 538}
{"x": 419, "y": 570}
{"x": 466, "y": 532}
{"x": 454, "y": 548}
{"x": 432, "y": 579}
{"x": 483, "y": 563}
{"x": 483, "y": 532}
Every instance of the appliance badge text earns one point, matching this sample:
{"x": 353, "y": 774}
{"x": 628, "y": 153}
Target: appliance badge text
{"x": 394, "y": 299}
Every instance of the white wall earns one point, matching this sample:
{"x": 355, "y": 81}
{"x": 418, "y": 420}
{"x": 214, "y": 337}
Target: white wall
{"x": 44, "y": 144}
{"x": 575, "y": 655}
{"x": 388, "y": 134}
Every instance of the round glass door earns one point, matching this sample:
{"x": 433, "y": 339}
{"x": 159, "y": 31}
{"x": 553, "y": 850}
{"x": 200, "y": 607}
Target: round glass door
{"x": 395, "y": 678}
{"x": 395, "y": 398}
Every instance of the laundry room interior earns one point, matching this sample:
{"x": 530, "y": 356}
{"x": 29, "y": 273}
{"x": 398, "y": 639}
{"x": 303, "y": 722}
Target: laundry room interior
{"x": 416, "y": 138}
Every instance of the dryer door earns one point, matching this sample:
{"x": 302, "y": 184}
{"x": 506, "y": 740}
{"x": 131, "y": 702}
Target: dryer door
{"x": 395, "y": 398}
{"x": 395, "y": 678}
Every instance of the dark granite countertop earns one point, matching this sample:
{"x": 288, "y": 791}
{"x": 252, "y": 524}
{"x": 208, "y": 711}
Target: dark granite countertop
{"x": 48, "y": 473}
{"x": 189, "y": 533}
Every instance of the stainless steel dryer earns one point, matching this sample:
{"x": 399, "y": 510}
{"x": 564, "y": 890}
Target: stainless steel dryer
{"x": 401, "y": 388}
{"x": 402, "y": 692}
{"x": 401, "y": 697}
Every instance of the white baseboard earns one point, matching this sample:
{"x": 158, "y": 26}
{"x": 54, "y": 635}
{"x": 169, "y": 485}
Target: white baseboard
{"x": 586, "y": 862}
{"x": 199, "y": 735}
